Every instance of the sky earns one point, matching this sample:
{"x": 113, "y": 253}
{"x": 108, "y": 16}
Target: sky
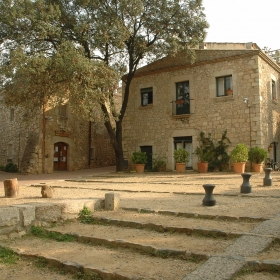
{"x": 242, "y": 21}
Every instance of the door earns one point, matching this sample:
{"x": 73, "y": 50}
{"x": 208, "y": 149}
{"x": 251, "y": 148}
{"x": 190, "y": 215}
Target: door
{"x": 186, "y": 143}
{"x": 149, "y": 153}
{"x": 60, "y": 157}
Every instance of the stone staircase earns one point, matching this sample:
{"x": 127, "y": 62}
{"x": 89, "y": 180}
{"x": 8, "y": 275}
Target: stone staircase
{"x": 145, "y": 244}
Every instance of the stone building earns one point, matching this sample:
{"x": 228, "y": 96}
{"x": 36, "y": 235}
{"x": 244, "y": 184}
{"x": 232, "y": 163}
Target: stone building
{"x": 56, "y": 140}
{"x": 172, "y": 100}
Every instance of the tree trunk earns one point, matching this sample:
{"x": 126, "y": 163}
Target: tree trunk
{"x": 11, "y": 187}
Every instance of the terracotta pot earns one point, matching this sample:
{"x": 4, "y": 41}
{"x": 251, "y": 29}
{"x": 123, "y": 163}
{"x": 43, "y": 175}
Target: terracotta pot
{"x": 239, "y": 167}
{"x": 180, "y": 167}
{"x": 202, "y": 167}
{"x": 229, "y": 92}
{"x": 139, "y": 167}
{"x": 258, "y": 167}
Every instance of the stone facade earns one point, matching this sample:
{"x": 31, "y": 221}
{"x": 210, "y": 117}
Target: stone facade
{"x": 158, "y": 126}
{"x": 54, "y": 141}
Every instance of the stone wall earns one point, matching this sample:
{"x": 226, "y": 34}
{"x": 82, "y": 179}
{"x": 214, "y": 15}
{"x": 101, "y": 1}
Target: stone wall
{"x": 19, "y": 139}
{"x": 32, "y": 145}
{"x": 155, "y": 126}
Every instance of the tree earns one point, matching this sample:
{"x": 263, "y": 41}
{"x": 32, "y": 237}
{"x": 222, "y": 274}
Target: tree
{"x": 120, "y": 34}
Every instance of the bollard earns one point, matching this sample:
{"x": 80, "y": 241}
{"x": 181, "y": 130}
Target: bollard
{"x": 267, "y": 181}
{"x": 246, "y": 187}
{"x": 208, "y": 200}
{"x": 11, "y": 187}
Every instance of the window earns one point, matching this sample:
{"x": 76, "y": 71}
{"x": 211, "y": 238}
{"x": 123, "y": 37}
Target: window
{"x": 62, "y": 111}
{"x": 273, "y": 90}
{"x": 146, "y": 96}
{"x": 182, "y": 98}
{"x": 224, "y": 85}
{"x": 12, "y": 115}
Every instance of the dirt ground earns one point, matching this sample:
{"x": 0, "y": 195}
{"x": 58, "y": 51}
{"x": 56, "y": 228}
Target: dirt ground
{"x": 160, "y": 192}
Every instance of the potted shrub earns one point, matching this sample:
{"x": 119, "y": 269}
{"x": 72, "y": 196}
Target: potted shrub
{"x": 181, "y": 157}
{"x": 257, "y": 155}
{"x": 139, "y": 159}
{"x": 204, "y": 155}
{"x": 239, "y": 156}
{"x": 159, "y": 163}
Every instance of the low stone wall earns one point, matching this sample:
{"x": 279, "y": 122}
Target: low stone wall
{"x": 16, "y": 220}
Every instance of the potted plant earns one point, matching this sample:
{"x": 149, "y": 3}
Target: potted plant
{"x": 257, "y": 155}
{"x": 159, "y": 163}
{"x": 239, "y": 156}
{"x": 181, "y": 157}
{"x": 139, "y": 159}
{"x": 229, "y": 91}
{"x": 204, "y": 155}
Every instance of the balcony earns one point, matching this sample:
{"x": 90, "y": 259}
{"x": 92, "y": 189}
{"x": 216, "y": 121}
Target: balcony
{"x": 181, "y": 108}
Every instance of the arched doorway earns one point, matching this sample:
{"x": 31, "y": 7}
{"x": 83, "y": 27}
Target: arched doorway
{"x": 60, "y": 156}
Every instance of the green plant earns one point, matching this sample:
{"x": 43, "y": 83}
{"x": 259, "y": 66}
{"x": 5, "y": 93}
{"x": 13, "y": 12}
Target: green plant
{"x": 159, "y": 162}
{"x": 11, "y": 167}
{"x": 43, "y": 233}
{"x": 257, "y": 155}
{"x": 181, "y": 156}
{"x": 239, "y": 153}
{"x": 215, "y": 153}
{"x": 8, "y": 256}
{"x": 139, "y": 157}
{"x": 85, "y": 215}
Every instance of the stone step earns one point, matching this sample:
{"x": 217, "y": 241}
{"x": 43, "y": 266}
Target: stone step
{"x": 108, "y": 263}
{"x": 166, "y": 223}
{"x": 150, "y": 242}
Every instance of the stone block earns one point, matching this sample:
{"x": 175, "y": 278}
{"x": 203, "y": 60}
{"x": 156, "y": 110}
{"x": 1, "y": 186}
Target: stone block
{"x": 48, "y": 212}
{"x": 26, "y": 213}
{"x": 47, "y": 191}
{"x": 70, "y": 206}
{"x": 93, "y": 205}
{"x": 112, "y": 201}
{"x": 9, "y": 216}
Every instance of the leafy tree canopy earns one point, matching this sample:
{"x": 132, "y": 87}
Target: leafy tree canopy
{"x": 79, "y": 49}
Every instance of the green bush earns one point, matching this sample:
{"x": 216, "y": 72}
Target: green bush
{"x": 239, "y": 153}
{"x": 257, "y": 155}
{"x": 139, "y": 158}
{"x": 159, "y": 163}
{"x": 214, "y": 152}
{"x": 181, "y": 156}
{"x": 11, "y": 167}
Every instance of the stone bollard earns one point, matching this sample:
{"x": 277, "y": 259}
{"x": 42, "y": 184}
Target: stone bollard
{"x": 11, "y": 187}
{"x": 246, "y": 187}
{"x": 112, "y": 201}
{"x": 209, "y": 200}
{"x": 47, "y": 191}
{"x": 267, "y": 181}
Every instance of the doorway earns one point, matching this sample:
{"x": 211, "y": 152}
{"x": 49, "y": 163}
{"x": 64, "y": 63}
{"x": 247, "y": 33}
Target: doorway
{"x": 186, "y": 143}
{"x": 149, "y": 153}
{"x": 60, "y": 156}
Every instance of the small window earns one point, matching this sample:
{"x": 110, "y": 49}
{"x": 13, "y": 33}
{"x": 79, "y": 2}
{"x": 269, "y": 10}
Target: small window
{"x": 62, "y": 111}
{"x": 12, "y": 115}
{"x": 273, "y": 90}
{"x": 224, "y": 85}
{"x": 146, "y": 96}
